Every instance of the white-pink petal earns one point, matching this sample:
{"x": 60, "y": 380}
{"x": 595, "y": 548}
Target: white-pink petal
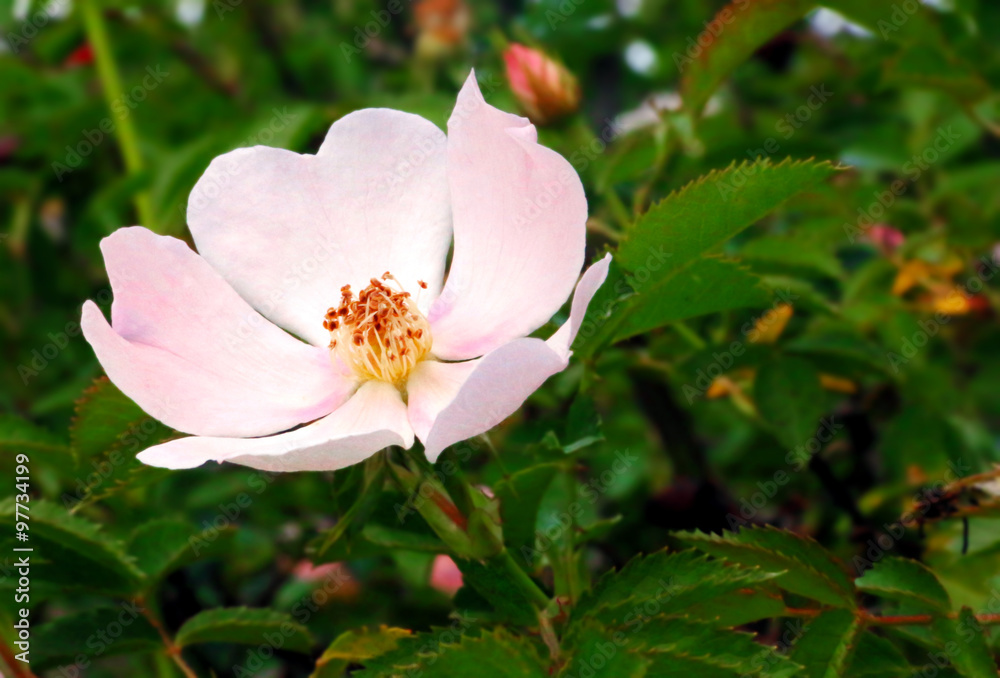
{"x": 374, "y": 418}
{"x": 519, "y": 214}
{"x": 450, "y": 402}
{"x": 289, "y": 230}
{"x": 191, "y": 353}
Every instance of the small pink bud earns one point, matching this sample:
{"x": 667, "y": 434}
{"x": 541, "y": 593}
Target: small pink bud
{"x": 886, "y": 238}
{"x": 445, "y": 575}
{"x": 543, "y": 87}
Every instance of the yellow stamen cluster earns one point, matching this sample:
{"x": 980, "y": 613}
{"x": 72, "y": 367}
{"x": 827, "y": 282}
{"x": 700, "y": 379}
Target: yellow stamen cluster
{"x": 381, "y": 334}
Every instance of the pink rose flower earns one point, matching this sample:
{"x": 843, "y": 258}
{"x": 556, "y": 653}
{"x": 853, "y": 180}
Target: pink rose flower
{"x": 258, "y": 333}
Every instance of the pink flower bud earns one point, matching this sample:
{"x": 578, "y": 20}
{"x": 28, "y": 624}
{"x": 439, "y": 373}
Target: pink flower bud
{"x": 445, "y": 575}
{"x": 544, "y": 88}
{"x": 886, "y": 238}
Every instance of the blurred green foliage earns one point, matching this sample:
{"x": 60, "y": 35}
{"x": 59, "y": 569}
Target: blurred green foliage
{"x": 820, "y": 355}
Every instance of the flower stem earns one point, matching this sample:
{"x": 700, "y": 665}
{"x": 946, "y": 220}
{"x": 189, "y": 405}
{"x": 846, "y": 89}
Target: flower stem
{"x": 893, "y": 620}
{"x": 453, "y": 527}
{"x": 173, "y": 651}
{"x": 128, "y": 139}
{"x": 527, "y": 586}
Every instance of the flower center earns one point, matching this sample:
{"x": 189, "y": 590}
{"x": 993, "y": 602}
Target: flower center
{"x": 381, "y": 334}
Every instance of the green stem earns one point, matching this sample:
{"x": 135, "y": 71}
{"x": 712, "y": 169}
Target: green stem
{"x": 528, "y": 587}
{"x": 453, "y": 527}
{"x": 689, "y": 335}
{"x": 107, "y": 69}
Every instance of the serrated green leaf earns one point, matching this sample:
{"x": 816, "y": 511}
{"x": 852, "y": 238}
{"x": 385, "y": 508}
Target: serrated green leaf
{"x": 520, "y": 497}
{"x": 808, "y": 569}
{"x": 905, "y": 580}
{"x": 827, "y": 645}
{"x": 104, "y": 417}
{"x": 107, "y": 433}
{"x": 740, "y": 607}
{"x": 73, "y": 552}
{"x": 583, "y": 424}
{"x": 663, "y": 583}
{"x": 676, "y": 233}
{"x": 354, "y": 647}
{"x": 18, "y": 435}
{"x": 161, "y": 546}
{"x": 710, "y": 285}
{"x": 245, "y": 626}
{"x": 101, "y": 632}
{"x": 744, "y": 26}
{"x": 444, "y": 653}
{"x": 683, "y": 647}
{"x": 876, "y": 657}
{"x": 496, "y": 585}
{"x": 790, "y": 399}
{"x": 363, "y": 500}
{"x": 964, "y": 645}
{"x": 597, "y": 651}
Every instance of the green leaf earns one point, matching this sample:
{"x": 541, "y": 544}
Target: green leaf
{"x": 497, "y": 586}
{"x": 18, "y": 435}
{"x": 520, "y": 497}
{"x": 443, "y": 653}
{"x": 797, "y": 254}
{"x": 965, "y": 645}
{"x": 104, "y": 417}
{"x": 109, "y": 430}
{"x": 599, "y": 652}
{"x": 808, "y": 569}
{"x": 162, "y": 546}
{"x": 583, "y": 424}
{"x": 354, "y": 647}
{"x": 905, "y": 580}
{"x": 739, "y": 607}
{"x": 72, "y": 552}
{"x": 708, "y": 286}
{"x": 876, "y": 657}
{"x": 827, "y": 645}
{"x": 743, "y": 27}
{"x": 369, "y": 479}
{"x": 682, "y": 647}
{"x": 665, "y": 249}
{"x": 100, "y": 632}
{"x": 245, "y": 626}
{"x": 790, "y": 399}
{"x": 664, "y": 583}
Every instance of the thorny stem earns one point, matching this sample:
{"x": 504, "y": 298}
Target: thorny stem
{"x": 128, "y": 139}
{"x": 439, "y": 504}
{"x": 173, "y": 651}
{"x": 892, "y": 620}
